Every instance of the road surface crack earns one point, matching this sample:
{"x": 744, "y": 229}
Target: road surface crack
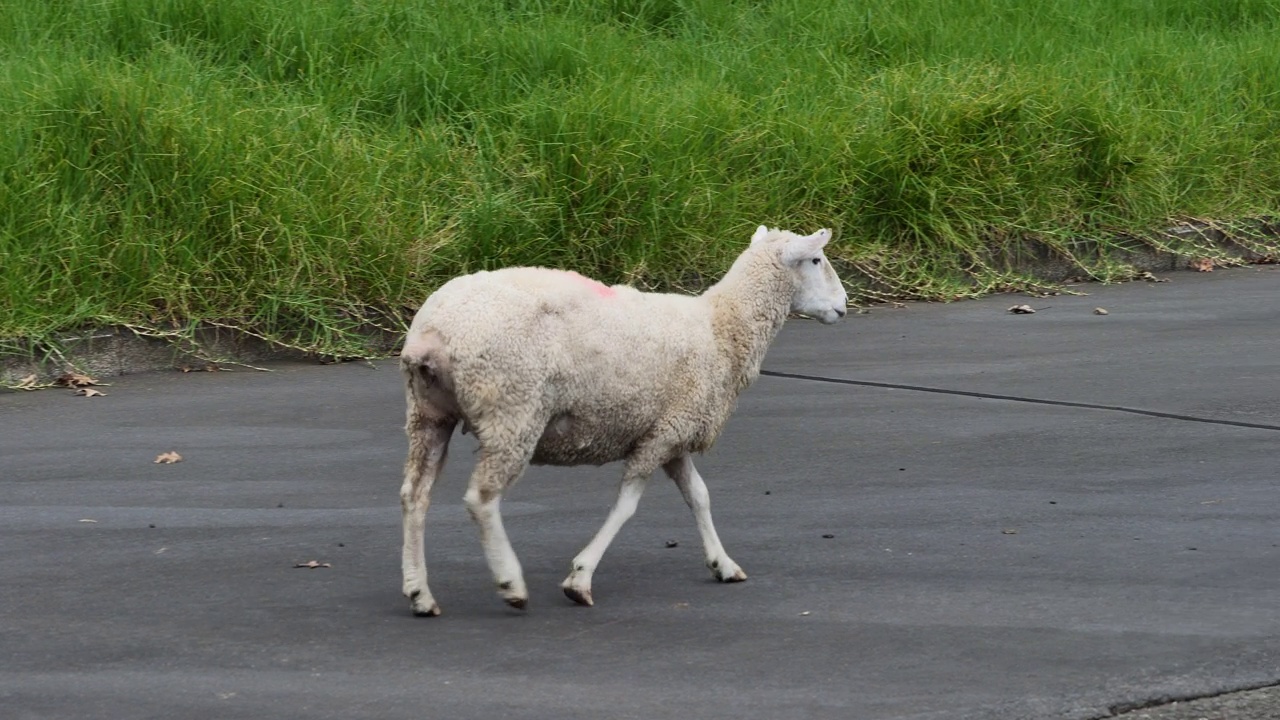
{"x": 1017, "y": 398}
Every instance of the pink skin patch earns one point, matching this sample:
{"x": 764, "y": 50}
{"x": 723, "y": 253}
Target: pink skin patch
{"x": 599, "y": 288}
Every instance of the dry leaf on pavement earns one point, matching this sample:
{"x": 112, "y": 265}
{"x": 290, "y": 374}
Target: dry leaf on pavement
{"x": 90, "y": 392}
{"x": 1100, "y": 311}
{"x": 73, "y": 379}
{"x": 1022, "y": 310}
{"x": 1201, "y": 265}
{"x": 312, "y": 564}
{"x": 168, "y": 458}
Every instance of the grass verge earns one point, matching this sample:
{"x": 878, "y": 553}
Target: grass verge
{"x": 306, "y": 171}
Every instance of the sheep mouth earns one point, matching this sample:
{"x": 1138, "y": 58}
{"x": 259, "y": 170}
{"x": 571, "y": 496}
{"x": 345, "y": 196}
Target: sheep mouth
{"x": 831, "y": 317}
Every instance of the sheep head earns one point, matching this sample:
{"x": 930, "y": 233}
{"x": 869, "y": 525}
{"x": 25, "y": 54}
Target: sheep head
{"x": 818, "y": 292}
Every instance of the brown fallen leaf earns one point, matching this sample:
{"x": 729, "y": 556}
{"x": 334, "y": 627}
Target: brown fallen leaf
{"x": 1010, "y": 531}
{"x": 1100, "y": 311}
{"x": 1152, "y": 278}
{"x": 30, "y": 382}
{"x": 1022, "y": 310}
{"x": 90, "y": 392}
{"x": 73, "y": 379}
{"x": 168, "y": 458}
{"x": 1201, "y": 265}
{"x": 312, "y": 564}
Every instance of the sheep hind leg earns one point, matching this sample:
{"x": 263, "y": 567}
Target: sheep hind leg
{"x": 494, "y": 473}
{"x": 428, "y": 447}
{"x": 577, "y": 586}
{"x": 694, "y": 490}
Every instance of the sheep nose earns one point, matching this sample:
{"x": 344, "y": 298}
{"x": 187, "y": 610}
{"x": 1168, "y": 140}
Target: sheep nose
{"x": 840, "y": 312}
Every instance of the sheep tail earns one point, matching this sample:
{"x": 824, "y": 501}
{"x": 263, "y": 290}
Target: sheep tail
{"x": 422, "y": 360}
{"x": 419, "y": 376}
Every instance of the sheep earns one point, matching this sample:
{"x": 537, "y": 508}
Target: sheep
{"x": 548, "y": 367}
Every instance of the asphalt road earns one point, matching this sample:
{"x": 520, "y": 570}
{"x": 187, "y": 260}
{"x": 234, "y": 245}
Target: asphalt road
{"x": 1052, "y": 552}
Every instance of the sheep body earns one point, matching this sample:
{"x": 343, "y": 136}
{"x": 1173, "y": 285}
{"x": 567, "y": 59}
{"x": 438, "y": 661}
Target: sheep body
{"x": 549, "y": 367}
{"x": 598, "y": 366}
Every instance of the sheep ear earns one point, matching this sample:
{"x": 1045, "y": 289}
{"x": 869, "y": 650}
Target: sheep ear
{"x": 759, "y": 234}
{"x": 805, "y": 248}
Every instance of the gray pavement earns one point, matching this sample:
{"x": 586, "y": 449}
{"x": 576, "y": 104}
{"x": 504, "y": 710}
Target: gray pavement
{"x": 989, "y": 558}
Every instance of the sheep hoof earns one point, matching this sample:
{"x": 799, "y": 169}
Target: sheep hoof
{"x": 421, "y": 603}
{"x": 421, "y": 611}
{"x": 737, "y": 576}
{"x": 517, "y": 602}
{"x": 582, "y": 597}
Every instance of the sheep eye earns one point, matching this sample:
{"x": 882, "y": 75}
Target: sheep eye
{"x": 817, "y": 260}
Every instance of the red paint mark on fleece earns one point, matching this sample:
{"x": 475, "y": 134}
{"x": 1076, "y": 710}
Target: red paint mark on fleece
{"x": 599, "y": 288}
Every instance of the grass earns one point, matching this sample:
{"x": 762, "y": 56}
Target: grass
{"x": 303, "y": 170}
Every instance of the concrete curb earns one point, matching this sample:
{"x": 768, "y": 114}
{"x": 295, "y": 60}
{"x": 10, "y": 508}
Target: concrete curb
{"x": 113, "y": 351}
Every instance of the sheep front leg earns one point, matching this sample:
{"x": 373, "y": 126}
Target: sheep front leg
{"x": 694, "y": 490}
{"x": 577, "y": 586}
{"x": 428, "y": 448}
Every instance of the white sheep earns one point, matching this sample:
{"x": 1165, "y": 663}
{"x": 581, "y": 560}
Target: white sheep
{"x": 551, "y": 368}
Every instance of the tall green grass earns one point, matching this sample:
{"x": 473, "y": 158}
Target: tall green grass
{"x": 302, "y": 169}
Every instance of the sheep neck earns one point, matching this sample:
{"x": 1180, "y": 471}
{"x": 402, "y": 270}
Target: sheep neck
{"x": 749, "y": 306}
